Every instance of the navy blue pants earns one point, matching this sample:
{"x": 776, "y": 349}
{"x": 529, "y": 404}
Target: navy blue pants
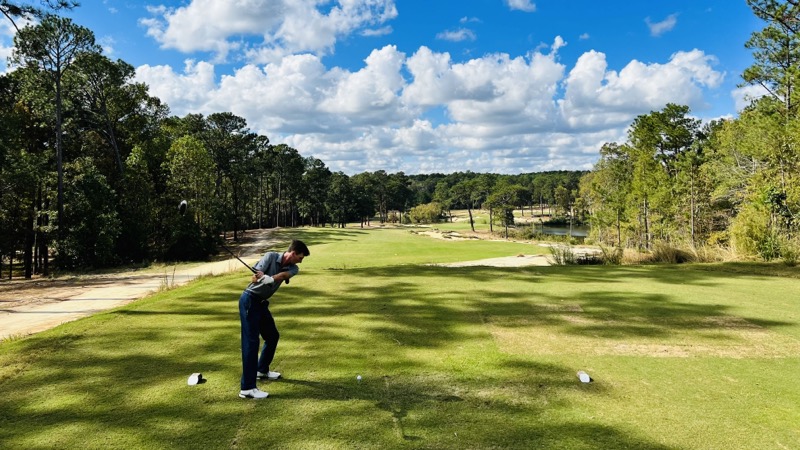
{"x": 256, "y": 321}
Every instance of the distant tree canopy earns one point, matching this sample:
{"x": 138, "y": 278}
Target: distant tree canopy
{"x": 92, "y": 167}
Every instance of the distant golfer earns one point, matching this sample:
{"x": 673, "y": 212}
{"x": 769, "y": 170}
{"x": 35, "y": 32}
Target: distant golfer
{"x": 271, "y": 271}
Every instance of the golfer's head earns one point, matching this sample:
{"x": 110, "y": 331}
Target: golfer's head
{"x": 297, "y": 251}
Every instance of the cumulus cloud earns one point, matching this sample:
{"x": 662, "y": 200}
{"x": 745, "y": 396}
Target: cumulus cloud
{"x": 659, "y": 28}
{"x": 596, "y": 97}
{"x": 283, "y": 26}
{"x": 521, "y": 5}
{"x": 188, "y": 92}
{"x": 425, "y": 112}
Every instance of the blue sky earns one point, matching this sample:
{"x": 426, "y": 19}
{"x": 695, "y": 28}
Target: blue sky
{"x": 504, "y": 86}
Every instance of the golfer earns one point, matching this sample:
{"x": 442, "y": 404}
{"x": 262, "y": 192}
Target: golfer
{"x": 271, "y": 271}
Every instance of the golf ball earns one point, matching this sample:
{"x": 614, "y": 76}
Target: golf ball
{"x": 358, "y": 378}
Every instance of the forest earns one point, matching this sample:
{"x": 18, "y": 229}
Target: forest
{"x": 93, "y": 167}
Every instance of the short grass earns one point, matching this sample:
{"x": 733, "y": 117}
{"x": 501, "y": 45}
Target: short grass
{"x": 683, "y": 357}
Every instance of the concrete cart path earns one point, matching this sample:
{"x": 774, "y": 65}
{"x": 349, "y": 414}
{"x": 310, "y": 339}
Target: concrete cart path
{"x": 110, "y": 293}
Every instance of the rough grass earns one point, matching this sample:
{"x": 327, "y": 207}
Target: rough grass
{"x": 683, "y": 357}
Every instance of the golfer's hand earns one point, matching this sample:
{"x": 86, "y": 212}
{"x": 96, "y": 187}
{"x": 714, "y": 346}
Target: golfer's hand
{"x": 257, "y": 276}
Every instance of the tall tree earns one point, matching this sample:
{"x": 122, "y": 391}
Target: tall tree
{"x": 776, "y": 51}
{"x": 658, "y": 141}
{"x": 137, "y": 209}
{"x": 288, "y": 171}
{"x": 316, "y": 181}
{"x": 28, "y": 10}
{"x": 461, "y": 193}
{"x": 502, "y": 200}
{"x": 340, "y": 202}
{"x": 50, "y": 48}
{"x": 107, "y": 96}
{"x": 232, "y": 146}
{"x": 94, "y": 222}
{"x": 190, "y": 177}
{"x": 364, "y": 194}
{"x": 605, "y": 190}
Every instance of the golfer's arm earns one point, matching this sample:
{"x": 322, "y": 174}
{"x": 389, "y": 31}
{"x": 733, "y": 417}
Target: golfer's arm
{"x": 280, "y": 276}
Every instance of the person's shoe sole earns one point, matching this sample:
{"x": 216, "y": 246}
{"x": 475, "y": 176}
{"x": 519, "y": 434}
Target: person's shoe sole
{"x": 266, "y": 377}
{"x": 250, "y": 396}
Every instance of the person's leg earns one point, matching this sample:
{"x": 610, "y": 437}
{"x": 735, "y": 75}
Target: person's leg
{"x": 249, "y": 315}
{"x": 269, "y": 332}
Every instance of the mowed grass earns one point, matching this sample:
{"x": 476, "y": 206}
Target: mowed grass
{"x": 682, "y": 357}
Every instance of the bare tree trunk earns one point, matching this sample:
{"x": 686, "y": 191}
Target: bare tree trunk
{"x": 647, "y": 237}
{"x": 691, "y": 205}
{"x": 29, "y": 243}
{"x": 59, "y": 160}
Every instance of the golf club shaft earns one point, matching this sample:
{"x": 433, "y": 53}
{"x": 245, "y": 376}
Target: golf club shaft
{"x": 240, "y": 259}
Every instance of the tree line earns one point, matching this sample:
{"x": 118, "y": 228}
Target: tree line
{"x": 93, "y": 168}
{"x": 732, "y": 182}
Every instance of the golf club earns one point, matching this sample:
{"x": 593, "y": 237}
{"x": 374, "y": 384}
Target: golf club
{"x": 245, "y": 264}
{"x": 183, "y": 206}
{"x": 240, "y": 259}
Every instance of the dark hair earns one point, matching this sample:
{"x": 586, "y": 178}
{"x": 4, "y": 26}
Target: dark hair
{"x": 299, "y": 247}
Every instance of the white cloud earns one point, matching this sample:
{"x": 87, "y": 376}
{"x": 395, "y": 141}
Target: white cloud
{"x": 558, "y": 43}
{"x": 462, "y": 34}
{"x": 427, "y": 113}
{"x": 371, "y": 92}
{"x": 596, "y": 97}
{"x": 184, "y": 93}
{"x": 584, "y": 36}
{"x": 521, "y": 5}
{"x": 383, "y": 31}
{"x": 743, "y": 96}
{"x": 659, "y": 28}
{"x": 107, "y": 44}
{"x": 7, "y": 33}
{"x": 284, "y": 26}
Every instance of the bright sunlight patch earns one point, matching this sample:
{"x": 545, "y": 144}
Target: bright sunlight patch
{"x": 567, "y": 329}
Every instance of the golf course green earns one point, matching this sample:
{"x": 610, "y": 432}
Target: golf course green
{"x": 701, "y": 356}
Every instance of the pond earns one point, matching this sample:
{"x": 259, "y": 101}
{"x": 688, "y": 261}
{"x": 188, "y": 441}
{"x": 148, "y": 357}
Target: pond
{"x": 577, "y": 230}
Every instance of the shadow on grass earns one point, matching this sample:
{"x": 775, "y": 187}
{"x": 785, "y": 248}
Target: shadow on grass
{"x": 432, "y": 374}
{"x": 314, "y": 236}
{"x": 424, "y": 307}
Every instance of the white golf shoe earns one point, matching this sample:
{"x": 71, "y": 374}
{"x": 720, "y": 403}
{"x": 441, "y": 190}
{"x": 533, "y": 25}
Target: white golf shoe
{"x": 268, "y": 376}
{"x": 253, "y": 393}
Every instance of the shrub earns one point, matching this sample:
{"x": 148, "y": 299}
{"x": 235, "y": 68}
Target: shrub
{"x": 769, "y": 246}
{"x": 664, "y": 253}
{"x": 790, "y": 251}
{"x": 427, "y": 213}
{"x": 612, "y": 256}
{"x": 711, "y": 253}
{"x": 562, "y": 255}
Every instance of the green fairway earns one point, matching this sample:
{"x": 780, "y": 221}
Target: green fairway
{"x": 682, "y": 357}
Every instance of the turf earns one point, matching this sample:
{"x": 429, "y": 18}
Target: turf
{"x": 682, "y": 357}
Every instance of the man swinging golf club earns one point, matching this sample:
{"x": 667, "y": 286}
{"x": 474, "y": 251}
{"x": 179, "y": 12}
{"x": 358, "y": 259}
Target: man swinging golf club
{"x": 271, "y": 271}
